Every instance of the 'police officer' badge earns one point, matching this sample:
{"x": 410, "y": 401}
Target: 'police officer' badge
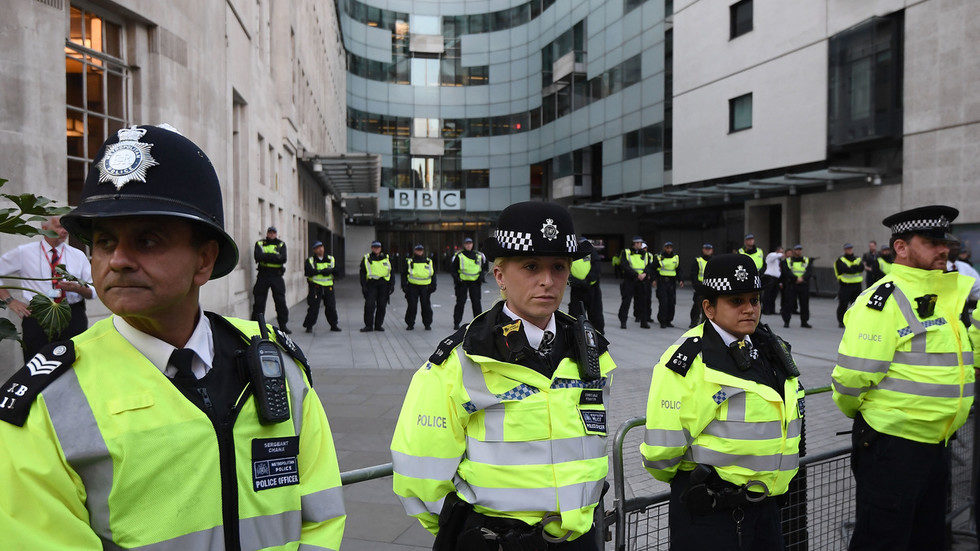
{"x": 127, "y": 160}
{"x": 549, "y": 230}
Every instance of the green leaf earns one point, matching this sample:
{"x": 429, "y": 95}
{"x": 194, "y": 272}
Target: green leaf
{"x": 52, "y": 316}
{"x": 8, "y": 330}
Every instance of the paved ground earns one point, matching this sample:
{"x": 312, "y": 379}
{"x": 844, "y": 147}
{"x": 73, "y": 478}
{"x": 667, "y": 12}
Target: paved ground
{"x": 362, "y": 378}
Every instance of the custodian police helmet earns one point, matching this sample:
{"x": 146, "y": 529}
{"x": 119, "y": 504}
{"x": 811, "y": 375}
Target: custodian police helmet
{"x": 535, "y": 228}
{"x": 154, "y": 171}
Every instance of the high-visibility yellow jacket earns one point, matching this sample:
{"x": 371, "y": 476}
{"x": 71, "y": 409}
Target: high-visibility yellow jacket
{"x": 636, "y": 261}
{"x": 855, "y": 277}
{"x": 419, "y": 273}
{"x": 668, "y": 265}
{"x": 744, "y": 429}
{"x": 758, "y": 256}
{"x": 884, "y": 265}
{"x": 317, "y": 264}
{"x": 507, "y": 439}
{"x": 113, "y": 455}
{"x": 908, "y": 372}
{"x": 274, "y": 247}
{"x": 377, "y": 269}
{"x": 581, "y": 269}
{"x": 702, "y": 263}
{"x": 974, "y": 332}
{"x": 470, "y": 269}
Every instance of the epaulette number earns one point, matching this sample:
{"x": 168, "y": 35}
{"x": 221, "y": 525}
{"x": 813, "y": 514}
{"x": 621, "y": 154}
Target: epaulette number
{"x": 880, "y": 296}
{"x": 682, "y": 359}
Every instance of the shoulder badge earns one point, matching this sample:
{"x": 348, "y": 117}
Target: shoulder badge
{"x": 684, "y": 356}
{"x": 880, "y": 296}
{"x": 20, "y": 391}
{"x": 294, "y": 351}
{"x": 447, "y": 345}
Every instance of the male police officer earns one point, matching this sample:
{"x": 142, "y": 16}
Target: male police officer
{"x": 634, "y": 263}
{"x": 320, "y": 270}
{"x": 270, "y": 255}
{"x": 584, "y": 283}
{"x": 146, "y": 431}
{"x": 796, "y": 271}
{"x": 668, "y": 278}
{"x": 849, "y": 271}
{"x": 905, "y": 374}
{"x": 468, "y": 269}
{"x": 697, "y": 277}
{"x": 418, "y": 284}
{"x": 376, "y": 286}
{"x": 752, "y": 251}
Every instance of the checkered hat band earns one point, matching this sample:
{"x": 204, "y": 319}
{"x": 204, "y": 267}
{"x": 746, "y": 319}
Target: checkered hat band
{"x": 571, "y": 243}
{"x": 940, "y": 223}
{"x": 513, "y": 240}
{"x": 718, "y": 283}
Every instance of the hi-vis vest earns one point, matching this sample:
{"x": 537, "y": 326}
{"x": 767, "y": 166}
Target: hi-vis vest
{"x": 701, "y": 264}
{"x": 469, "y": 270}
{"x": 884, "y": 265}
{"x": 113, "y": 456}
{"x": 797, "y": 268}
{"x": 509, "y": 440}
{"x": 272, "y": 248}
{"x": 905, "y": 363}
{"x": 580, "y": 269}
{"x": 637, "y": 260}
{"x": 668, "y": 266}
{"x": 325, "y": 264}
{"x": 757, "y": 256}
{"x": 746, "y": 430}
{"x": 378, "y": 269}
{"x": 849, "y": 278}
{"x": 420, "y": 273}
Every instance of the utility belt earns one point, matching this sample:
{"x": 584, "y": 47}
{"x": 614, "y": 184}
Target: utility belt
{"x": 274, "y": 270}
{"x": 707, "y": 493}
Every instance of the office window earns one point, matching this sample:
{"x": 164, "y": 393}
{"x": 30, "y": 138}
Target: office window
{"x": 425, "y": 24}
{"x": 651, "y": 139}
{"x": 740, "y": 113}
{"x": 426, "y": 128}
{"x": 630, "y": 5}
{"x": 741, "y": 18}
{"x": 425, "y": 71}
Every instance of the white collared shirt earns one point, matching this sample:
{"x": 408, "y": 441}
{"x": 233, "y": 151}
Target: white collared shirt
{"x": 34, "y": 260}
{"x": 727, "y": 337}
{"x": 772, "y": 264}
{"x": 531, "y": 331}
{"x": 158, "y": 351}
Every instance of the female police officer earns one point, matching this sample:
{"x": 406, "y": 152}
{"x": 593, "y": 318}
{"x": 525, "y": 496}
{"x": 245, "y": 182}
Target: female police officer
{"x": 723, "y": 422}
{"x": 501, "y": 439}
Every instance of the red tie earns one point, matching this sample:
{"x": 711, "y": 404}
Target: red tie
{"x": 54, "y": 274}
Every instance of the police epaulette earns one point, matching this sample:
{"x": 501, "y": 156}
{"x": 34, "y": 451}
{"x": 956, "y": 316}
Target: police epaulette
{"x": 684, "y": 356}
{"x": 21, "y": 389}
{"x": 447, "y": 345}
{"x": 290, "y": 348}
{"x": 880, "y": 296}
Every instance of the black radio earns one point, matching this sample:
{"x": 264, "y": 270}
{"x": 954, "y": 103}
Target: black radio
{"x": 265, "y": 369}
{"x": 587, "y": 341}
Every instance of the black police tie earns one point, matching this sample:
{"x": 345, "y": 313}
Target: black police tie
{"x": 181, "y": 358}
{"x": 546, "y": 341}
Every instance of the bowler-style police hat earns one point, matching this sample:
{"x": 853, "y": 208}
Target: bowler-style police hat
{"x": 729, "y": 274}
{"x": 932, "y": 221}
{"x": 153, "y": 171}
{"x": 535, "y": 228}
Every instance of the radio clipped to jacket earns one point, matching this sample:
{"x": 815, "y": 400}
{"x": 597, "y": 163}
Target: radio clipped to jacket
{"x": 268, "y": 377}
{"x": 587, "y": 347}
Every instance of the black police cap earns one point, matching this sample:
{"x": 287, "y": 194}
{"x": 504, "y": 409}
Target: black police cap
{"x": 730, "y": 274}
{"x": 932, "y": 221}
{"x": 153, "y": 171}
{"x": 535, "y": 228}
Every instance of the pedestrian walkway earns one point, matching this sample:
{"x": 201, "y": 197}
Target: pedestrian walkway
{"x": 362, "y": 378}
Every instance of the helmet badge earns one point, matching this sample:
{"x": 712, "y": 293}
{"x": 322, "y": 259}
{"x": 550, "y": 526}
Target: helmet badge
{"x": 549, "y": 230}
{"x": 741, "y": 273}
{"x": 127, "y": 160}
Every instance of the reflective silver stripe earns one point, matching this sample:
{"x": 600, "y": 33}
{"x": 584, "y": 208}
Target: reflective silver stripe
{"x": 918, "y": 343}
{"x": 474, "y": 382}
{"x": 415, "y": 506}
{"x": 269, "y": 530}
{"x": 758, "y": 463}
{"x": 85, "y": 449}
{"x": 934, "y": 359}
{"x": 212, "y": 538}
{"x": 793, "y": 430}
{"x": 667, "y": 438}
{"x": 789, "y": 462}
{"x": 296, "y": 380}
{"x": 308, "y": 547}
{"x": 323, "y": 505}
{"x": 433, "y": 468}
{"x": 662, "y": 463}
{"x": 849, "y": 391}
{"x": 493, "y": 422}
{"x": 968, "y": 357}
{"x": 931, "y": 390}
{"x": 907, "y": 312}
{"x": 536, "y": 452}
{"x": 744, "y": 430}
{"x": 577, "y": 496}
{"x": 865, "y": 365}
{"x": 736, "y": 403}
{"x": 574, "y": 496}
{"x": 975, "y": 322}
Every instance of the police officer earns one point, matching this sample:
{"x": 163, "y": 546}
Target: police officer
{"x": 749, "y": 249}
{"x": 468, "y": 269}
{"x": 500, "y": 444}
{"x": 142, "y": 432}
{"x": 643, "y": 309}
{"x": 668, "y": 279}
{"x": 796, "y": 271}
{"x": 885, "y": 260}
{"x": 635, "y": 276}
{"x": 871, "y": 267}
{"x": 418, "y": 284}
{"x": 849, "y": 270}
{"x": 270, "y": 255}
{"x": 320, "y": 270}
{"x": 376, "y": 286}
{"x": 905, "y": 374}
{"x": 723, "y": 419}
{"x": 584, "y": 283}
{"x": 697, "y": 277}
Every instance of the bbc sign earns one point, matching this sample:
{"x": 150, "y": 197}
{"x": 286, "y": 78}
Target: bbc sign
{"x": 420, "y": 199}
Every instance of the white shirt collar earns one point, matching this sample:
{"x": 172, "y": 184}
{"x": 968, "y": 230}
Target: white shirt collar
{"x": 531, "y": 331}
{"x": 158, "y": 351}
{"x": 727, "y": 337}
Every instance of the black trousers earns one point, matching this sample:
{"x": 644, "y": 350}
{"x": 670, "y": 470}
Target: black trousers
{"x": 846, "y": 296}
{"x": 770, "y": 288}
{"x": 264, "y": 281}
{"x": 375, "y": 303}
{"x": 666, "y": 299}
{"x": 34, "y": 336}
{"x": 586, "y": 542}
{"x": 696, "y": 311}
{"x": 794, "y": 293}
{"x": 632, "y": 290}
{"x": 314, "y": 296}
{"x": 901, "y": 491}
{"x": 761, "y": 529}
{"x": 416, "y": 294}
{"x": 473, "y": 290}
{"x": 591, "y": 297}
